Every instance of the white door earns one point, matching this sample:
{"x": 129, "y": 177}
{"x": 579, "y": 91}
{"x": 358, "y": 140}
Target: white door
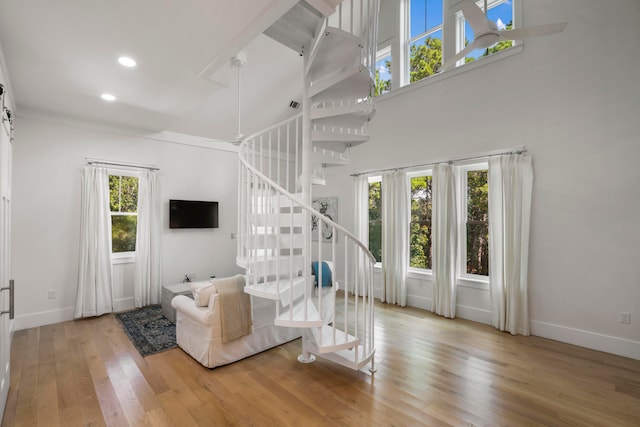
{"x": 6, "y": 151}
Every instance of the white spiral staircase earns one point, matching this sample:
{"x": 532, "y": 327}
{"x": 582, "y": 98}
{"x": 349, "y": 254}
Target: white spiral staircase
{"x": 279, "y": 232}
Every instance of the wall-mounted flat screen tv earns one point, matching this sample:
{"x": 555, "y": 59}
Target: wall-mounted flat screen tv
{"x": 193, "y": 214}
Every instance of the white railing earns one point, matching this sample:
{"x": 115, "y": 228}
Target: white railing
{"x": 272, "y": 248}
{"x": 283, "y": 259}
{"x": 276, "y": 152}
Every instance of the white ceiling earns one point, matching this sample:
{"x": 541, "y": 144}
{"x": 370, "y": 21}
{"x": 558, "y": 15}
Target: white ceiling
{"x": 61, "y": 55}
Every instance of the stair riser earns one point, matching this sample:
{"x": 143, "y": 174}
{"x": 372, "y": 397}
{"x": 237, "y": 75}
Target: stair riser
{"x": 327, "y": 134}
{"x": 338, "y": 146}
{"x": 348, "y": 121}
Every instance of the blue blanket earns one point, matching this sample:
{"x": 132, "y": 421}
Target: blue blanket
{"x": 326, "y": 273}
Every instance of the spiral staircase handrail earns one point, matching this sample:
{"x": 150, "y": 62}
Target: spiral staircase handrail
{"x": 307, "y": 208}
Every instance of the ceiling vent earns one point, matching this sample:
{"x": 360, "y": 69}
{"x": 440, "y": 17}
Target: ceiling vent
{"x": 294, "y": 104}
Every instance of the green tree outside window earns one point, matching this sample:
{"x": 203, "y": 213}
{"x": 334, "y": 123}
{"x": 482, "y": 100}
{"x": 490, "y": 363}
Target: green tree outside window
{"x": 477, "y": 223}
{"x": 420, "y": 227}
{"x": 375, "y": 220}
{"x": 123, "y": 201}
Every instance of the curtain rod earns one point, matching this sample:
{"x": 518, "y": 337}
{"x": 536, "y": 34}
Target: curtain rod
{"x": 123, "y": 164}
{"x": 521, "y": 150}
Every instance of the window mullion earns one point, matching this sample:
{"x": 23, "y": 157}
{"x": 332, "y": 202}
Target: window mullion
{"x": 120, "y": 194}
{"x": 425, "y": 34}
{"x": 402, "y": 47}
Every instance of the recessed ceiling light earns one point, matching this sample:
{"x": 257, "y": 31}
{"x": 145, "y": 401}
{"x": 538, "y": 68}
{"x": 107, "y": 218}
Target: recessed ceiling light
{"x": 108, "y": 97}
{"x": 126, "y": 61}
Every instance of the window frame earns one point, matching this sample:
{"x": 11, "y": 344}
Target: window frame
{"x": 129, "y": 256}
{"x": 464, "y": 278}
{"x": 410, "y": 175}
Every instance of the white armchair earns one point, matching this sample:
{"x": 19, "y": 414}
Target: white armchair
{"x": 199, "y": 331}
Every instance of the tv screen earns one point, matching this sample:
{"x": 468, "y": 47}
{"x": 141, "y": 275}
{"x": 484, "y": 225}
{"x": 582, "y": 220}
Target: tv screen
{"x": 193, "y": 214}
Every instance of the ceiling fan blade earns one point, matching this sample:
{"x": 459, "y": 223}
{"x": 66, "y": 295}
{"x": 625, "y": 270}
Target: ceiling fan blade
{"x": 475, "y": 17}
{"x": 530, "y": 32}
{"x": 451, "y": 61}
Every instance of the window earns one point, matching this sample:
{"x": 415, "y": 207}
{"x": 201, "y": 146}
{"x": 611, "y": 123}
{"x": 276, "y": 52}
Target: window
{"x": 475, "y": 210}
{"x": 123, "y": 200}
{"x": 375, "y": 217}
{"x": 425, "y": 38}
{"x": 420, "y": 226}
{"x": 500, "y": 12}
{"x": 383, "y": 71}
{"x": 472, "y": 189}
{"x": 420, "y": 34}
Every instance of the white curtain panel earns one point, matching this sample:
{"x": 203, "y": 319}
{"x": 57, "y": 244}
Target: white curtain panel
{"x": 147, "y": 273}
{"x": 361, "y": 221}
{"x": 396, "y": 214}
{"x": 95, "y": 288}
{"x": 510, "y": 189}
{"x": 444, "y": 241}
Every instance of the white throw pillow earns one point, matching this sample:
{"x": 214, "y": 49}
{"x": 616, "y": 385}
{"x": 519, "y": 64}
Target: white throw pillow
{"x": 201, "y": 292}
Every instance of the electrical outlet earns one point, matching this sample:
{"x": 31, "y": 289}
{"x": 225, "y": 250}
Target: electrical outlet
{"x": 625, "y": 317}
{"x": 52, "y": 294}
{"x": 233, "y": 236}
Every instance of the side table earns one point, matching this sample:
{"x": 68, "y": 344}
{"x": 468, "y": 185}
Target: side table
{"x": 170, "y": 291}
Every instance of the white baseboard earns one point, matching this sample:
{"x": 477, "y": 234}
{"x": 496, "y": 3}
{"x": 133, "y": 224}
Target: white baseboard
{"x": 606, "y": 343}
{"x": 419, "y": 301}
{"x": 462, "y": 311}
{"x": 43, "y": 318}
{"x": 472, "y": 313}
{"x": 123, "y": 304}
{"x": 588, "y": 339}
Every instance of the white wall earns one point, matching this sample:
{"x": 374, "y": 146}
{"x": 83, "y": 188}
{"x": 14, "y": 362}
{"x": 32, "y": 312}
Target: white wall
{"x": 48, "y": 158}
{"x": 573, "y": 101}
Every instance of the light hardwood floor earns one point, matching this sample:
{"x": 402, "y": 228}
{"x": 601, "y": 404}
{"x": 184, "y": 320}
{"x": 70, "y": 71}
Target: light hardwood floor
{"x": 431, "y": 371}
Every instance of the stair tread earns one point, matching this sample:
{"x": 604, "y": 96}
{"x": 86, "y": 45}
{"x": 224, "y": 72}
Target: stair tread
{"x": 336, "y": 48}
{"x": 343, "y": 340}
{"x": 347, "y": 357}
{"x": 352, "y": 82}
{"x": 296, "y": 318}
{"x": 269, "y": 290}
{"x": 296, "y": 27}
{"x": 326, "y": 7}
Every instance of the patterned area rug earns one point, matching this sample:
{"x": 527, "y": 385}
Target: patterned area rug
{"x": 149, "y": 331}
